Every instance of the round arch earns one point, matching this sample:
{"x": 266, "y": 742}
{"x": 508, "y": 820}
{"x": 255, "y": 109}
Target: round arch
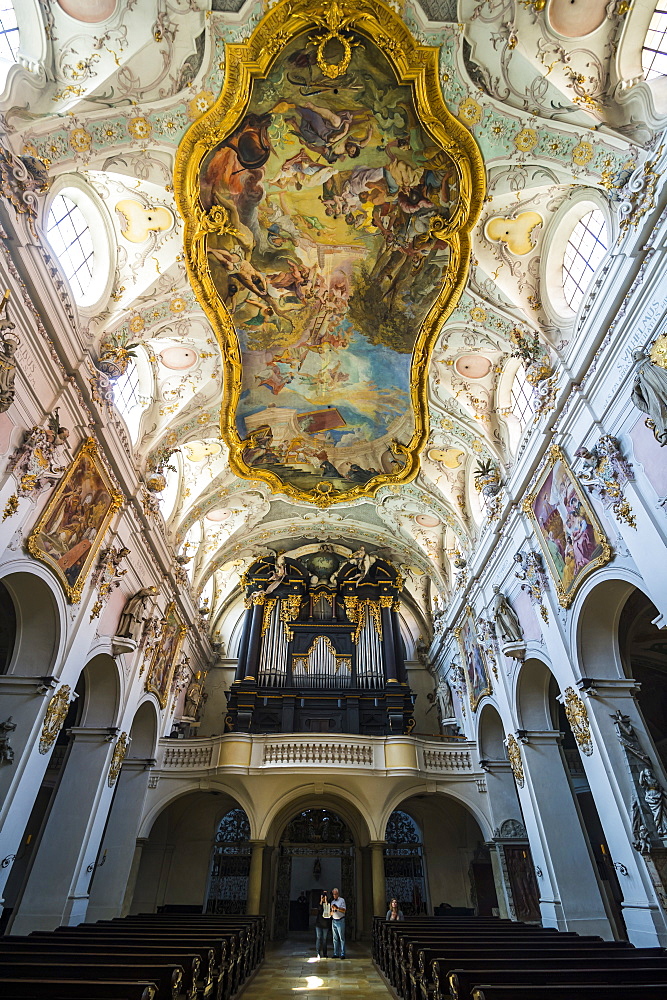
{"x": 40, "y": 622}
{"x": 491, "y": 734}
{"x": 534, "y": 691}
{"x": 144, "y": 730}
{"x": 455, "y": 866}
{"x": 415, "y": 791}
{"x": 177, "y": 791}
{"x": 297, "y": 800}
{"x": 596, "y": 619}
{"x": 178, "y": 839}
{"x": 103, "y": 687}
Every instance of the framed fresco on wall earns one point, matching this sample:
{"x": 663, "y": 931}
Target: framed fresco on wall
{"x": 69, "y": 533}
{"x": 165, "y": 655}
{"x": 474, "y": 663}
{"x": 566, "y": 526}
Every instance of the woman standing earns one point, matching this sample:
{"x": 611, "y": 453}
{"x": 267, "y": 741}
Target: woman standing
{"x": 322, "y": 926}
{"x": 394, "y": 913}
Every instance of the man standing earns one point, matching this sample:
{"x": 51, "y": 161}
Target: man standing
{"x": 338, "y": 924}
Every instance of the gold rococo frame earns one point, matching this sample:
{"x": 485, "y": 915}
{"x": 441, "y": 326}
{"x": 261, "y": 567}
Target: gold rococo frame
{"x": 171, "y": 609}
{"x": 73, "y": 593}
{"x": 245, "y": 62}
{"x": 565, "y": 598}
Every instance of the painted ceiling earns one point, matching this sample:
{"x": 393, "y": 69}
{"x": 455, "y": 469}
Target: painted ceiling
{"x": 534, "y": 83}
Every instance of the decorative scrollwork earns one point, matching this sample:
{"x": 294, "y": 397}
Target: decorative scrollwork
{"x": 515, "y": 759}
{"x": 577, "y": 716}
{"x": 56, "y": 713}
{"x": 119, "y": 752}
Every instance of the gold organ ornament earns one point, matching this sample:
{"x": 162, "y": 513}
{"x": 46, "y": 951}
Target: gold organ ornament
{"x": 326, "y": 246}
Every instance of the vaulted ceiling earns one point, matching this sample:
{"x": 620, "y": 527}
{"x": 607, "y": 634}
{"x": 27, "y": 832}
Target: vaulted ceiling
{"x": 539, "y": 86}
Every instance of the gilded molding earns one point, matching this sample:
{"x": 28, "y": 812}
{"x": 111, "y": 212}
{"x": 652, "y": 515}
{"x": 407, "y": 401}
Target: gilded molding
{"x": 414, "y": 65}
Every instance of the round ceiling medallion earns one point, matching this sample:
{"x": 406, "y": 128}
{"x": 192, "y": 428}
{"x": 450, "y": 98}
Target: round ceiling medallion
{"x": 427, "y": 520}
{"x": 472, "y": 366}
{"x": 88, "y": 11}
{"x": 219, "y": 515}
{"x": 178, "y": 358}
{"x": 576, "y": 18}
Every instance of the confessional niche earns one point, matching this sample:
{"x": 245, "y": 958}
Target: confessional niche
{"x": 328, "y": 197}
{"x": 321, "y": 649}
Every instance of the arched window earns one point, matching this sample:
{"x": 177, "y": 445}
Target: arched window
{"x": 68, "y": 233}
{"x": 523, "y": 406}
{"x": 654, "y": 49}
{"x": 585, "y": 250}
{"x": 9, "y": 32}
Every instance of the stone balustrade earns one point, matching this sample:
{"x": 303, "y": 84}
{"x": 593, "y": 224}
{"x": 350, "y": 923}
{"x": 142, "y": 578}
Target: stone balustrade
{"x": 257, "y": 754}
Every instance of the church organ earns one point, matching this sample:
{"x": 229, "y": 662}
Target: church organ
{"x": 321, "y": 649}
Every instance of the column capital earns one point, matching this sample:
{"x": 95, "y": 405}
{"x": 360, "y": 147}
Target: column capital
{"x": 378, "y": 844}
{"x": 256, "y": 844}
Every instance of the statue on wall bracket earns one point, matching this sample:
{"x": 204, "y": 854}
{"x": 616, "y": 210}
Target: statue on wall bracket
{"x": 329, "y": 197}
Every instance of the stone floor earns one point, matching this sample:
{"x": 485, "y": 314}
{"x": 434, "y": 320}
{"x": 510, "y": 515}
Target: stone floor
{"x": 291, "y": 971}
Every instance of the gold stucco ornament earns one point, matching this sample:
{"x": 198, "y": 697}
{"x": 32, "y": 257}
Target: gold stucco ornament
{"x": 329, "y": 198}
{"x": 56, "y": 713}
{"x": 117, "y": 758}
{"x": 577, "y": 716}
{"x": 515, "y": 759}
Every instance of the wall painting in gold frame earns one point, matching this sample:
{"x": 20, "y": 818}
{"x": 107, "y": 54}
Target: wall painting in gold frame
{"x": 566, "y": 526}
{"x": 328, "y": 198}
{"x": 69, "y": 533}
{"x": 474, "y": 660}
{"x": 165, "y": 654}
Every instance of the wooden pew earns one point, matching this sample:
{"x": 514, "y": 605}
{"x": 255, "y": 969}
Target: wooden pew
{"x": 75, "y": 989}
{"x": 198, "y": 978}
{"x": 434, "y": 982}
{"x": 405, "y": 953}
{"x": 246, "y": 940}
{"x": 86, "y": 938}
{"x": 585, "y": 991}
{"x": 169, "y": 979}
{"x": 462, "y": 982}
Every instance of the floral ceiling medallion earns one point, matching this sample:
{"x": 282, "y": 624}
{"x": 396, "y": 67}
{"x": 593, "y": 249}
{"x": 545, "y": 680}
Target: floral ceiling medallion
{"x": 329, "y": 198}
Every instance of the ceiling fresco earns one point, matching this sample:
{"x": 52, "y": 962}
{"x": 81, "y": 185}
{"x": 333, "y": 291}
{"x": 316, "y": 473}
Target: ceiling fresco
{"x": 343, "y": 218}
{"x": 327, "y": 238}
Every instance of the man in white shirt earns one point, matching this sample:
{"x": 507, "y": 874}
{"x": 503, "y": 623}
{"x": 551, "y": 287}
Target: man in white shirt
{"x": 338, "y": 923}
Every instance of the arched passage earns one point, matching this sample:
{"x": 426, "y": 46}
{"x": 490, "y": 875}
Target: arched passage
{"x": 456, "y": 864}
{"x": 176, "y": 855}
{"x": 31, "y": 625}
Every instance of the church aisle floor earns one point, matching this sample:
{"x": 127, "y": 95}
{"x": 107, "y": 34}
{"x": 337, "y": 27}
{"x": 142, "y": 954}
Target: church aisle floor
{"x": 291, "y": 972}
